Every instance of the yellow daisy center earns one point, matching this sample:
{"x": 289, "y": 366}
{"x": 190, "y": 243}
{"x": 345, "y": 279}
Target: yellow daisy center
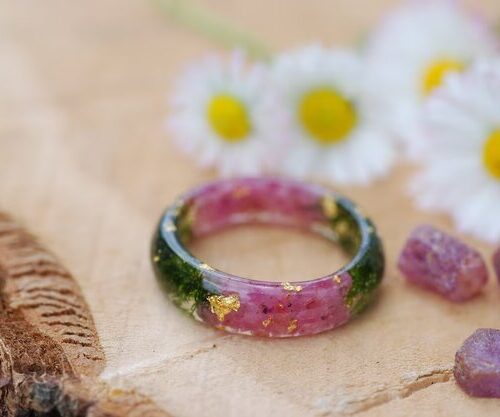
{"x": 326, "y": 115}
{"x": 228, "y": 117}
{"x": 491, "y": 154}
{"x": 437, "y": 71}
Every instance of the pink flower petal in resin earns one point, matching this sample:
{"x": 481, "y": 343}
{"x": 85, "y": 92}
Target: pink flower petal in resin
{"x": 275, "y": 311}
{"x": 477, "y": 364}
{"x": 441, "y": 263}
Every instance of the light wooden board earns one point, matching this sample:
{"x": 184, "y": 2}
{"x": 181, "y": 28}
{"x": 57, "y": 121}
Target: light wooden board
{"x": 86, "y": 165}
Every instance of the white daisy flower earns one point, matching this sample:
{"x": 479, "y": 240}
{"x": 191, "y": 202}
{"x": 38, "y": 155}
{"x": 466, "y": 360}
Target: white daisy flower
{"x": 220, "y": 116}
{"x": 413, "y": 51}
{"x": 331, "y": 134}
{"x": 461, "y": 172}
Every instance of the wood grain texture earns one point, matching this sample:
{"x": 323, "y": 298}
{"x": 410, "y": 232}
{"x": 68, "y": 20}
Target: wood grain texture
{"x": 45, "y": 294}
{"x": 50, "y": 354}
{"x": 85, "y": 164}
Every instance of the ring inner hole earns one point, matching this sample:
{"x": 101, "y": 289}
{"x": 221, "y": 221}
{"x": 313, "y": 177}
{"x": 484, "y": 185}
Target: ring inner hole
{"x": 267, "y": 234}
{"x": 271, "y": 253}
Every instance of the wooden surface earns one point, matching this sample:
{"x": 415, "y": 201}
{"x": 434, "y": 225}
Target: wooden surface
{"x": 86, "y": 165}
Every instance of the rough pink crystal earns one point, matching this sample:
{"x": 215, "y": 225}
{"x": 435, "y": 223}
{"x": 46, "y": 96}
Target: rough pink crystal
{"x": 496, "y": 263}
{"x": 439, "y": 262}
{"x": 477, "y": 364}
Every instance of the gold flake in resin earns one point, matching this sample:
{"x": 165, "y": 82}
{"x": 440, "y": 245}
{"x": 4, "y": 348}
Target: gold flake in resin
{"x": 289, "y": 287}
{"x": 329, "y": 206}
{"x": 191, "y": 214}
{"x": 342, "y": 228}
{"x": 267, "y": 321}
{"x": 353, "y": 301}
{"x": 292, "y": 325}
{"x": 222, "y": 305}
{"x": 117, "y": 392}
{"x": 206, "y": 267}
{"x": 337, "y": 279}
{"x": 178, "y": 207}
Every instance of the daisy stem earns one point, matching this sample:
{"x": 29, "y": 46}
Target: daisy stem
{"x": 213, "y": 27}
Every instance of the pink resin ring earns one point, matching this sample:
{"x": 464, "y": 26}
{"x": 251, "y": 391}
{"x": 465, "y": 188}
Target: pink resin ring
{"x": 267, "y": 308}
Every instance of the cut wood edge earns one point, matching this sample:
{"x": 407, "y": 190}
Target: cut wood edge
{"x": 50, "y": 353}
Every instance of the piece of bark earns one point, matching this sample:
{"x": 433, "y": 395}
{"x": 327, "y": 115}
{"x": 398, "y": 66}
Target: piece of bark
{"x": 45, "y": 294}
{"x": 73, "y": 397}
{"x": 50, "y": 354}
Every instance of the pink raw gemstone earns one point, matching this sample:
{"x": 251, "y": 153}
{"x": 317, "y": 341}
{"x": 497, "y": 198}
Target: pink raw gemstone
{"x": 441, "y": 263}
{"x": 496, "y": 263}
{"x": 477, "y": 364}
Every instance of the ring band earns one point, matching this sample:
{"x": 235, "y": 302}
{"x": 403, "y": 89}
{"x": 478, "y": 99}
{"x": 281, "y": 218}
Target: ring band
{"x": 266, "y": 308}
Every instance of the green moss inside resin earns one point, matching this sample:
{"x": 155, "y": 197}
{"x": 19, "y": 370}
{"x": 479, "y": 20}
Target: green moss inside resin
{"x": 184, "y": 222}
{"x": 183, "y": 282}
{"x": 368, "y": 272}
{"x": 366, "y": 275}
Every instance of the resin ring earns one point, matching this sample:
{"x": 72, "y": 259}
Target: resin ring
{"x": 267, "y": 308}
